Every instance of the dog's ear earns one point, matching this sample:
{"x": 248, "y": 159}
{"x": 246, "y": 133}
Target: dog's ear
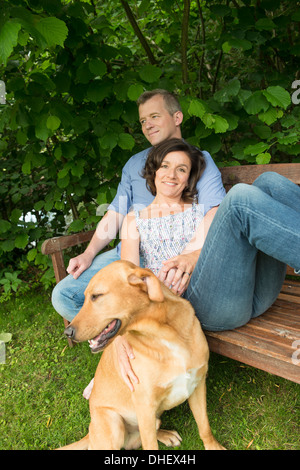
{"x": 147, "y": 282}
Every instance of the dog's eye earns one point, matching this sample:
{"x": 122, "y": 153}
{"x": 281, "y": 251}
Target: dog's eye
{"x": 95, "y": 297}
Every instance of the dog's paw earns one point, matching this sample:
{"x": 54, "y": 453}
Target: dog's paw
{"x": 169, "y": 438}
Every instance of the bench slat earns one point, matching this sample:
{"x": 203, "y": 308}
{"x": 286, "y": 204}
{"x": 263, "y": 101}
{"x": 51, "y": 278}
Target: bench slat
{"x": 266, "y": 342}
{"x": 248, "y": 173}
{"x": 61, "y": 243}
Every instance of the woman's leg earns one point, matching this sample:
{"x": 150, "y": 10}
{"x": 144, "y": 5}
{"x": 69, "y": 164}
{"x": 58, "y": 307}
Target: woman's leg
{"x": 242, "y": 264}
{"x": 68, "y": 294}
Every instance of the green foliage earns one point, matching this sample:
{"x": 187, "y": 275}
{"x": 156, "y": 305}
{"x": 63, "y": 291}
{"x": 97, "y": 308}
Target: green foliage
{"x": 73, "y": 70}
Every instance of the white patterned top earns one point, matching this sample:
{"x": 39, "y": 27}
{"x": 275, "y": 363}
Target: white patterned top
{"x": 162, "y": 238}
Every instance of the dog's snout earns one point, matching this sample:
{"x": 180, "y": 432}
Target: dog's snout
{"x": 70, "y": 332}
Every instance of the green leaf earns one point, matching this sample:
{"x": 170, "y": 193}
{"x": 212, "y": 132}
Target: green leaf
{"x": 63, "y": 173}
{"x": 197, "y": 108}
{"x": 126, "y": 141}
{"x": 15, "y": 215}
{"x": 209, "y": 120}
{"x": 256, "y": 103}
{"x": 265, "y": 24}
{"x": 264, "y": 132}
{"x": 220, "y": 124}
{"x": 228, "y": 91}
{"x": 41, "y": 130}
{"x": 53, "y": 123}
{"x": 38, "y": 205}
{"x": 277, "y": 96}
{"x": 97, "y": 67}
{"x": 53, "y": 30}
{"x": 4, "y": 225}
{"x": 263, "y": 158}
{"x": 7, "y": 245}
{"x": 98, "y": 90}
{"x": 150, "y": 73}
{"x": 8, "y": 39}
{"x": 256, "y": 149}
{"x": 31, "y": 255}
{"x": 61, "y": 183}
{"x": 21, "y": 241}
{"x": 26, "y": 168}
{"x": 135, "y": 91}
{"x": 269, "y": 117}
{"x": 236, "y": 44}
{"x": 76, "y": 226}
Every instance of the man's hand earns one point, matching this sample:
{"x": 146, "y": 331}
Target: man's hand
{"x": 124, "y": 354}
{"x": 79, "y": 264}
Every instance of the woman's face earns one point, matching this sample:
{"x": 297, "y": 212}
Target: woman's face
{"x": 173, "y": 175}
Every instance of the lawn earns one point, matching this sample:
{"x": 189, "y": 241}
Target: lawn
{"x": 42, "y": 381}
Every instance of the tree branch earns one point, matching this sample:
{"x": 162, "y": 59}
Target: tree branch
{"x": 203, "y": 45}
{"x": 184, "y": 40}
{"x": 138, "y": 32}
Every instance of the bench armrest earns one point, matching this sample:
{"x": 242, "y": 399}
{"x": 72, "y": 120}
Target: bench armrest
{"x": 55, "y": 246}
{"x": 61, "y": 243}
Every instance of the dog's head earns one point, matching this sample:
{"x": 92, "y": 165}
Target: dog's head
{"x": 113, "y": 297}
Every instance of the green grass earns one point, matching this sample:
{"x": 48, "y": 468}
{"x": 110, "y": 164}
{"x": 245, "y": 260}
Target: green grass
{"x": 42, "y": 381}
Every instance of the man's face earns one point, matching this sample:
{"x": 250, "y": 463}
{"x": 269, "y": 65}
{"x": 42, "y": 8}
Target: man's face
{"x": 157, "y": 123}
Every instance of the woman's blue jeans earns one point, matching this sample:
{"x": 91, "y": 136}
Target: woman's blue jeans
{"x": 241, "y": 268}
{"x": 254, "y": 234}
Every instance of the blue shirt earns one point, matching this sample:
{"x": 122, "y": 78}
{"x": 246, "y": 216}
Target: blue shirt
{"x": 132, "y": 189}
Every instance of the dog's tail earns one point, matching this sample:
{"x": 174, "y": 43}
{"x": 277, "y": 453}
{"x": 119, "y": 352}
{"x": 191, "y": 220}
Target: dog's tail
{"x": 83, "y": 444}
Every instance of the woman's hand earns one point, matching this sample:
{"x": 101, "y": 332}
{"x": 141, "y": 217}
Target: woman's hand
{"x": 176, "y": 272}
{"x": 125, "y": 354}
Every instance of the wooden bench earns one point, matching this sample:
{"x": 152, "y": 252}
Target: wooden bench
{"x": 270, "y": 342}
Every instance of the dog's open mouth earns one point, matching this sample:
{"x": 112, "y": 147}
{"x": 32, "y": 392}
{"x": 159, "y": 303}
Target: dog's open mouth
{"x": 100, "y": 341}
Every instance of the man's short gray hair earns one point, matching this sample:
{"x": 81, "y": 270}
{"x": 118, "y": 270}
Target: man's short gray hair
{"x": 171, "y": 102}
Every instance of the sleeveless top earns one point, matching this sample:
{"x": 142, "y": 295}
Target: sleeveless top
{"x": 162, "y": 238}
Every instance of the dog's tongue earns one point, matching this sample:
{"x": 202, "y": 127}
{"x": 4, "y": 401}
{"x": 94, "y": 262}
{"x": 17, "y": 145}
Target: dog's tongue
{"x": 110, "y": 326}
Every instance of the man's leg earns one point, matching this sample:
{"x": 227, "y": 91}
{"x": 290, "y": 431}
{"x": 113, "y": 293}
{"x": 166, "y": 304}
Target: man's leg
{"x": 242, "y": 264}
{"x": 68, "y": 294}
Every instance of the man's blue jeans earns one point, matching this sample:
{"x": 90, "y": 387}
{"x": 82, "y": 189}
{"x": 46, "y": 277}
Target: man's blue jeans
{"x": 254, "y": 234}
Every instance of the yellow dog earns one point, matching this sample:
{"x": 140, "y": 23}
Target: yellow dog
{"x": 171, "y": 359}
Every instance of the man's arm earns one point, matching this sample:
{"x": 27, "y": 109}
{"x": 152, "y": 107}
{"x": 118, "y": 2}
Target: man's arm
{"x": 106, "y": 231}
{"x": 130, "y": 240}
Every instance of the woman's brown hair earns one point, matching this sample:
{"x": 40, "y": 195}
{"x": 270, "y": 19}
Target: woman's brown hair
{"x": 157, "y": 155}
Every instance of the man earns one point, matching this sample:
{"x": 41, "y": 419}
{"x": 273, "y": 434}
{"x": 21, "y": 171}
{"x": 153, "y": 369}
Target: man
{"x": 160, "y": 117}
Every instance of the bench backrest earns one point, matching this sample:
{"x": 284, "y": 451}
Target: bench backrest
{"x": 248, "y": 173}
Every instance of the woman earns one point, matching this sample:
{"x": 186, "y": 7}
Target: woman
{"x": 166, "y": 227}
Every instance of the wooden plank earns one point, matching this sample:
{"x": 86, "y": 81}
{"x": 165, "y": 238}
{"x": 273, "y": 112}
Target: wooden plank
{"x": 279, "y": 319}
{"x": 248, "y": 173}
{"x": 269, "y": 364}
{"x": 60, "y": 243}
{"x": 289, "y": 298}
{"x": 58, "y": 266}
{"x": 263, "y": 344}
{"x": 266, "y": 342}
